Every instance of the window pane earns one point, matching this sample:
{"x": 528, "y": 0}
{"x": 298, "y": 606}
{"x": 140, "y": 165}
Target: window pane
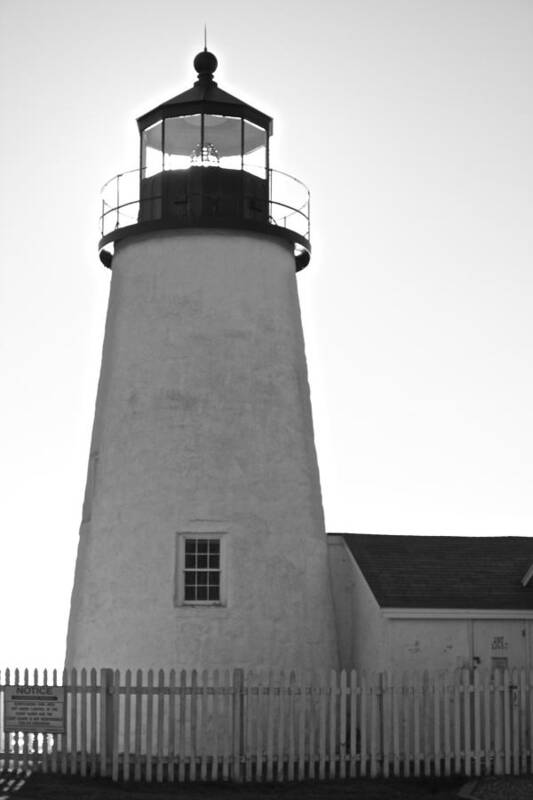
{"x": 214, "y": 561}
{"x": 190, "y": 578}
{"x": 201, "y": 593}
{"x": 214, "y": 579}
{"x": 190, "y": 592}
{"x": 255, "y": 145}
{"x": 190, "y": 561}
{"x": 151, "y": 155}
{"x": 202, "y": 561}
{"x": 182, "y": 136}
{"x": 202, "y": 545}
{"x": 214, "y": 545}
{"x": 202, "y": 578}
{"x": 213, "y": 593}
{"x": 190, "y": 545}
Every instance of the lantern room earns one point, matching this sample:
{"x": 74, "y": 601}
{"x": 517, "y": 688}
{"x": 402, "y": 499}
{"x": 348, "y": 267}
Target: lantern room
{"x": 204, "y": 162}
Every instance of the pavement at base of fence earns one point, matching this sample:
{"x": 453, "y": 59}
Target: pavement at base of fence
{"x": 498, "y": 788}
{"x": 73, "y": 787}
{"x": 21, "y": 784}
{"x": 11, "y": 781}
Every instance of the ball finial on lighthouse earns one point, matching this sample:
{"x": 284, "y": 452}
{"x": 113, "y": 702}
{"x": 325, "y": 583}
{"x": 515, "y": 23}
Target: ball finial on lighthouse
{"x": 202, "y": 542}
{"x": 205, "y": 64}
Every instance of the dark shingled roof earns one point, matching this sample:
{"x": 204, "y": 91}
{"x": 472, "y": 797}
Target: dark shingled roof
{"x": 445, "y": 571}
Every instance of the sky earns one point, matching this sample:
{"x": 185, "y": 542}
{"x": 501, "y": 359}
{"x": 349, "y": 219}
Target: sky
{"x": 411, "y": 122}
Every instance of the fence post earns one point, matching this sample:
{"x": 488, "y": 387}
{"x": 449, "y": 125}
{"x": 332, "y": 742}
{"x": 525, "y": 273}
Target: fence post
{"x": 238, "y": 723}
{"x": 108, "y": 708}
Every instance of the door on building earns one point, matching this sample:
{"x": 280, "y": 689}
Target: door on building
{"x": 499, "y": 643}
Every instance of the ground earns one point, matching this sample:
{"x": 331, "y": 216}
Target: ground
{"x": 60, "y": 787}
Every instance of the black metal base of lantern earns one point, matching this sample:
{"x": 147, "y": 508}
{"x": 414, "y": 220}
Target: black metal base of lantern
{"x": 203, "y": 192}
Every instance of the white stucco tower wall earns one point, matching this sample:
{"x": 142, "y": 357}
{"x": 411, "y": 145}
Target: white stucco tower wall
{"x": 203, "y": 426}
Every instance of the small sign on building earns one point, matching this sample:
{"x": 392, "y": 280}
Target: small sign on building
{"x": 34, "y": 709}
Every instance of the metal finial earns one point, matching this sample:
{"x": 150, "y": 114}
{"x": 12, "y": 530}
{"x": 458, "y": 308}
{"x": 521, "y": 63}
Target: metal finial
{"x": 205, "y": 38}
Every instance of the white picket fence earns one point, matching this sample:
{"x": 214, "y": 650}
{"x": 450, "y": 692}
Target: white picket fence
{"x": 207, "y": 726}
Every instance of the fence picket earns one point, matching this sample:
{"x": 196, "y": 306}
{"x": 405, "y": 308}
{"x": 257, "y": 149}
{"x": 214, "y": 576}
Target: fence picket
{"x": 159, "y": 744}
{"x": 172, "y": 725}
{"x": 127, "y": 726}
{"x": 353, "y": 723}
{"x": 498, "y": 723}
{"x": 373, "y": 726}
{"x": 238, "y": 724}
{"x": 436, "y": 688}
{"x": 260, "y": 731}
{"x": 364, "y": 720}
{"x": 116, "y": 726}
{"x": 73, "y": 721}
{"x": 467, "y": 739}
{"x": 290, "y": 725}
{"x": 204, "y": 724}
{"x": 507, "y": 721}
{"x": 93, "y": 724}
{"x": 63, "y": 736}
{"x": 228, "y": 737}
{"x": 426, "y": 706}
{"x": 248, "y": 707}
{"x": 343, "y": 691}
{"x": 194, "y": 724}
{"x": 385, "y": 726}
{"x": 395, "y": 712}
{"x": 25, "y": 735}
{"x": 281, "y": 727}
{"x": 44, "y": 761}
{"x": 447, "y": 730}
{"x": 149, "y": 725}
{"x": 270, "y": 729}
{"x": 407, "y": 695}
{"x": 487, "y": 744}
{"x": 457, "y": 722}
{"x": 137, "y": 759}
{"x": 477, "y": 724}
{"x": 182, "y": 747}
{"x": 302, "y": 712}
{"x": 523, "y": 723}
{"x": 515, "y": 721}
{"x": 312, "y": 726}
{"x": 416, "y": 724}
{"x": 83, "y": 723}
{"x": 322, "y": 729}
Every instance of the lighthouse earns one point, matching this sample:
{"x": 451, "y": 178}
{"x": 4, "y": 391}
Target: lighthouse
{"x": 202, "y": 542}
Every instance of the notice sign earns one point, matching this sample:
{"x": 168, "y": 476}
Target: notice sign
{"x": 34, "y": 709}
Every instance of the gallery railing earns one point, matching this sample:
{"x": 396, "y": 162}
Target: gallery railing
{"x": 278, "y": 199}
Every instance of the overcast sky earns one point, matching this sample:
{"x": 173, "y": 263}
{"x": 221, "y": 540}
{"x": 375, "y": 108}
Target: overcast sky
{"x": 411, "y": 121}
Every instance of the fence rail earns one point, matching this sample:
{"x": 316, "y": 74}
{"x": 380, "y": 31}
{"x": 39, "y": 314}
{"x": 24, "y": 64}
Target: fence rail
{"x": 222, "y": 725}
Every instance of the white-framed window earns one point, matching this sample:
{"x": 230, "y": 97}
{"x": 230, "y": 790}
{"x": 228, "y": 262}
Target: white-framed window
{"x": 200, "y": 569}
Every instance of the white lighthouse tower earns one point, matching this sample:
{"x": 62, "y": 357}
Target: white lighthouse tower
{"x": 202, "y": 542}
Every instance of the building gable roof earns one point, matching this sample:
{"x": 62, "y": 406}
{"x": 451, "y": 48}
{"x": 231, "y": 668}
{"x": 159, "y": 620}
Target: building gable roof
{"x": 445, "y": 571}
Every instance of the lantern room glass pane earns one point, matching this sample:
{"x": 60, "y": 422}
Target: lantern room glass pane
{"x": 151, "y": 152}
{"x": 222, "y": 143}
{"x": 255, "y": 149}
{"x": 183, "y": 136}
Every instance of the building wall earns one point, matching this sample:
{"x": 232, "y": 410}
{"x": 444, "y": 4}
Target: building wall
{"x": 418, "y": 644}
{"x": 361, "y": 629}
{"x": 203, "y": 425}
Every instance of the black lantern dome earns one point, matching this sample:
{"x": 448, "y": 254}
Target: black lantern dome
{"x": 205, "y": 163}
